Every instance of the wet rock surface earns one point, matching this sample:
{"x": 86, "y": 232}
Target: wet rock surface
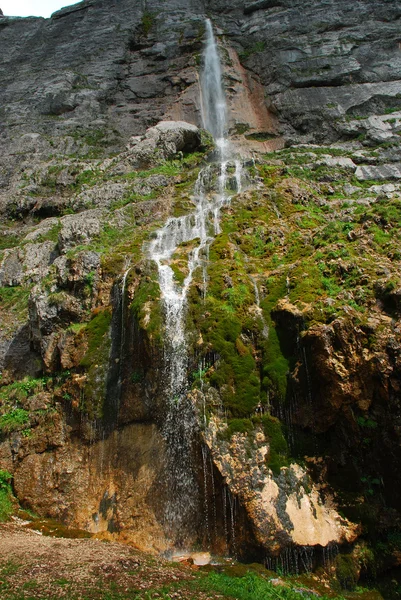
{"x": 298, "y": 319}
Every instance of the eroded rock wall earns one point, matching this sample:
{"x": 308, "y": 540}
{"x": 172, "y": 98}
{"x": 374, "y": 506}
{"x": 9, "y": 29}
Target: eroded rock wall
{"x": 296, "y": 340}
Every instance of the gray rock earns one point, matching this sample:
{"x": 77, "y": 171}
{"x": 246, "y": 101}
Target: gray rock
{"x": 27, "y": 264}
{"x": 388, "y": 189}
{"x": 42, "y": 229}
{"x": 367, "y": 172}
{"x": 163, "y": 142}
{"x": 79, "y": 229}
{"x": 100, "y": 196}
{"x": 250, "y": 7}
{"x": 337, "y": 161}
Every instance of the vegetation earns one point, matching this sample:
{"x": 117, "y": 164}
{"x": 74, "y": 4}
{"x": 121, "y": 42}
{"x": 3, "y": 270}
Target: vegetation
{"x": 148, "y": 20}
{"x": 250, "y": 585}
{"x": 95, "y": 360}
{"x": 14, "y": 420}
{"x": 6, "y": 505}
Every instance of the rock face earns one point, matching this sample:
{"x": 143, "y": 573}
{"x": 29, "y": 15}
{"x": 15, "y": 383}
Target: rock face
{"x": 294, "y": 347}
{"x": 287, "y": 506}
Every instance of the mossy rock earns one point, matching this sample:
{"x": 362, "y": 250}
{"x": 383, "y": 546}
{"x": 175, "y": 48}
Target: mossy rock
{"x": 95, "y": 360}
{"x": 278, "y": 452}
{"x": 347, "y": 571}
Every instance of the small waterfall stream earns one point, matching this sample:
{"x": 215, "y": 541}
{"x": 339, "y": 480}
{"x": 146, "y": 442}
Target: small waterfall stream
{"x": 198, "y": 227}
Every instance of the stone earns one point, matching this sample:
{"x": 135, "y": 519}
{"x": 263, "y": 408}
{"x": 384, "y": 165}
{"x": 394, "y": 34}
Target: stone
{"x": 285, "y": 507}
{"x": 27, "y": 264}
{"x": 370, "y": 172}
{"x": 338, "y": 161}
{"x": 164, "y": 141}
{"x": 251, "y": 7}
{"x": 79, "y": 229}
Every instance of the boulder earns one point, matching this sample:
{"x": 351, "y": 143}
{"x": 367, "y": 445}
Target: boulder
{"x": 164, "y": 141}
{"x": 27, "y": 264}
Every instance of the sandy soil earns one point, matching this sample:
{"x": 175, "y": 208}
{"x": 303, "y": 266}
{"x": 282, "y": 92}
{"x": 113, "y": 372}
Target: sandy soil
{"x": 36, "y": 566}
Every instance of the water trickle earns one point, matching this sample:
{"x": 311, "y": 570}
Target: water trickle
{"x": 265, "y": 330}
{"x": 225, "y": 493}
{"x": 123, "y": 329}
{"x": 233, "y": 512}
{"x": 292, "y": 560}
{"x": 330, "y": 553}
{"x": 198, "y": 230}
{"x": 214, "y": 508}
{"x": 206, "y": 493}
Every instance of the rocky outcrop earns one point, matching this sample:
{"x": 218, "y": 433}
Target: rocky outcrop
{"x": 162, "y": 142}
{"x": 293, "y": 336}
{"x": 284, "y": 510}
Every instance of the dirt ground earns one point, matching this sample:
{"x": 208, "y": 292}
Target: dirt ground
{"x": 36, "y": 566}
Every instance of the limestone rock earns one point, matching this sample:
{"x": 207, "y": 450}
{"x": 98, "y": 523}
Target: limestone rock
{"x": 163, "y": 142}
{"x": 368, "y": 172}
{"x": 79, "y": 229}
{"x": 285, "y": 509}
{"x": 27, "y": 264}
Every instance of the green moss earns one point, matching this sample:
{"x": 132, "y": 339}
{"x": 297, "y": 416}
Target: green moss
{"x": 179, "y": 273}
{"x": 346, "y": 571}
{"x": 243, "y": 426}
{"x": 97, "y": 331}
{"x": 237, "y": 295}
{"x": 147, "y": 308}
{"x": 275, "y": 365}
{"x": 278, "y": 453}
{"x": 236, "y": 368}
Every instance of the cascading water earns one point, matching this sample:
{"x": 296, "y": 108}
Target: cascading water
{"x": 199, "y": 227}
{"x": 214, "y": 107}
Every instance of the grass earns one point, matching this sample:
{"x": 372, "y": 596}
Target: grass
{"x": 15, "y": 299}
{"x": 213, "y": 585}
{"x": 14, "y": 420}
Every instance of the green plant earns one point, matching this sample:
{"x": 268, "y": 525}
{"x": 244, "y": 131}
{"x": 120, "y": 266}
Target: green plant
{"x": 14, "y": 420}
{"x": 243, "y": 426}
{"x": 5, "y": 495}
{"x": 148, "y": 20}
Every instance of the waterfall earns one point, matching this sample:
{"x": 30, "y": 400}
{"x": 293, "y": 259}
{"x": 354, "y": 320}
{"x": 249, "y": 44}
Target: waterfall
{"x": 214, "y": 107}
{"x": 199, "y": 227}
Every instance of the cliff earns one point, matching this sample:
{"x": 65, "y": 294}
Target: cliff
{"x": 292, "y": 333}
